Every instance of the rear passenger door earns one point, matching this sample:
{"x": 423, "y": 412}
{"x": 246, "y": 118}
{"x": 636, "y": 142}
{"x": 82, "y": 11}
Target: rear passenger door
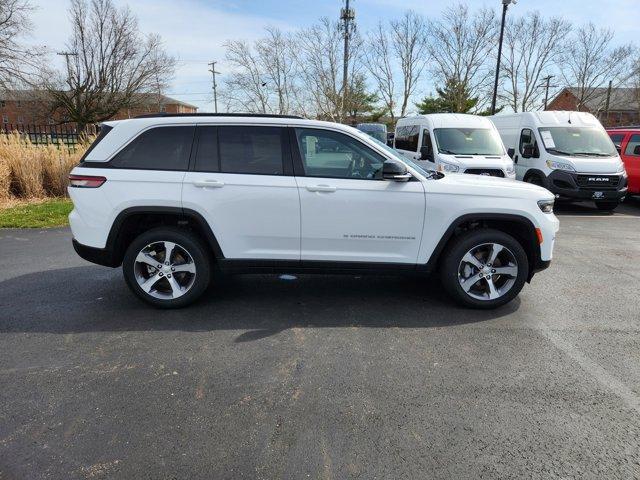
{"x": 241, "y": 181}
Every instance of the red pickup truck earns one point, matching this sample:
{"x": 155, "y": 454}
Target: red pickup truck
{"x": 627, "y": 141}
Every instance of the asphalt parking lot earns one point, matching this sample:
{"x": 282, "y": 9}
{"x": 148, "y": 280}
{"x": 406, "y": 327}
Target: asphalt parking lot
{"x": 323, "y": 376}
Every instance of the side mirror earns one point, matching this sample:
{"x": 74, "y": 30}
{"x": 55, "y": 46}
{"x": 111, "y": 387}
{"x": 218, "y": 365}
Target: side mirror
{"x": 636, "y": 150}
{"x": 527, "y": 151}
{"x": 619, "y": 148}
{"x": 396, "y": 171}
{"x": 426, "y": 153}
{"x": 511, "y": 152}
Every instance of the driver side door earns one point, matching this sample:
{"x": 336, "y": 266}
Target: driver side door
{"x": 348, "y": 212}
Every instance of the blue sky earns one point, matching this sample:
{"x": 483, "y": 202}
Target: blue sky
{"x": 194, "y": 30}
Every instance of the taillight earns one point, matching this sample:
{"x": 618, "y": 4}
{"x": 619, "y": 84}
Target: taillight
{"x": 86, "y": 181}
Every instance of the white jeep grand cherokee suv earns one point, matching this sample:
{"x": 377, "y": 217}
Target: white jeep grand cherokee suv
{"x": 169, "y": 197}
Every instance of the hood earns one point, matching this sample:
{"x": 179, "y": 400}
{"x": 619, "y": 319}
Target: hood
{"x": 493, "y": 187}
{"x": 586, "y": 164}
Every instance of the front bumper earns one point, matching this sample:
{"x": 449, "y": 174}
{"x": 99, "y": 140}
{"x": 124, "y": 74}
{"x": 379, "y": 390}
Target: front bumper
{"x": 585, "y": 186}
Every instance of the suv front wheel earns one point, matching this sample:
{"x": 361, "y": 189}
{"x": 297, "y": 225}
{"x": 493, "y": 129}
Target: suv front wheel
{"x": 484, "y": 268}
{"x": 167, "y": 267}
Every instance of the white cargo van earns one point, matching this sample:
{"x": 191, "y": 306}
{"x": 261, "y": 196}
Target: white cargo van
{"x": 568, "y": 153}
{"x": 452, "y": 142}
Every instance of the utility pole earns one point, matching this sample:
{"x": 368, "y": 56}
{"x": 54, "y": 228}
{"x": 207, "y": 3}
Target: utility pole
{"x": 606, "y": 108}
{"x": 347, "y": 15}
{"x": 505, "y": 6}
{"x": 215, "y": 93}
{"x": 547, "y": 80}
{"x": 66, "y": 56}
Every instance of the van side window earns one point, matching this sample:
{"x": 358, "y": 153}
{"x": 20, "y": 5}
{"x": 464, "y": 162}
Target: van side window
{"x": 634, "y": 143}
{"x": 407, "y": 137}
{"x": 253, "y": 150}
{"x": 160, "y": 148}
{"x": 528, "y": 139}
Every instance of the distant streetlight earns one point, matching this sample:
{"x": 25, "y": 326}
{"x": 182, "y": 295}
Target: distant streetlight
{"x": 505, "y": 6}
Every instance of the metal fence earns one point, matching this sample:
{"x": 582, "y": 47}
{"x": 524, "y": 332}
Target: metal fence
{"x": 58, "y": 135}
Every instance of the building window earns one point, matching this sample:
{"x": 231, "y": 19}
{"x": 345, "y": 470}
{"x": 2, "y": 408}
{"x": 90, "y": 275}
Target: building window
{"x": 5, "y": 119}
{"x": 20, "y": 120}
{"x": 18, "y": 103}
{"x": 3, "y": 103}
{"x": 51, "y": 121}
{"x": 163, "y": 108}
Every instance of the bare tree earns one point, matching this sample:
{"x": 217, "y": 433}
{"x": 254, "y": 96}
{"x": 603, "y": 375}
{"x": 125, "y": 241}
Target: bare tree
{"x": 591, "y": 62}
{"x": 263, "y": 77}
{"x": 245, "y": 87}
{"x": 109, "y": 64}
{"x": 410, "y": 45}
{"x": 380, "y": 66}
{"x": 460, "y": 46}
{"x": 532, "y": 46}
{"x": 320, "y": 65}
{"x": 16, "y": 59}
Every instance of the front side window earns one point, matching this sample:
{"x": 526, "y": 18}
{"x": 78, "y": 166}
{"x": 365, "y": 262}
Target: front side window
{"x": 528, "y": 139}
{"x": 160, "y": 148}
{"x": 407, "y": 138}
{"x": 426, "y": 140}
{"x": 331, "y": 154}
{"x": 468, "y": 141}
{"x": 577, "y": 141}
{"x": 252, "y": 150}
{"x": 634, "y": 143}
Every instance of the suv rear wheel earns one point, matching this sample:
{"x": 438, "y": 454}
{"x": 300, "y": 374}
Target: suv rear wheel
{"x": 167, "y": 267}
{"x": 484, "y": 269}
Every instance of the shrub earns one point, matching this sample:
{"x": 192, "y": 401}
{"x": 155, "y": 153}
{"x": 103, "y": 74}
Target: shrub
{"x": 35, "y": 171}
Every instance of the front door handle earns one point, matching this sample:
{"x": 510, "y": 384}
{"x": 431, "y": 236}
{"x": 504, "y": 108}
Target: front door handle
{"x": 321, "y": 188}
{"x": 208, "y": 183}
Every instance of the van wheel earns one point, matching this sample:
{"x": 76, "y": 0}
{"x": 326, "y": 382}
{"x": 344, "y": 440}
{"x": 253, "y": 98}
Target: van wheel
{"x": 484, "y": 269}
{"x": 607, "y": 206}
{"x": 535, "y": 179}
{"x": 167, "y": 267}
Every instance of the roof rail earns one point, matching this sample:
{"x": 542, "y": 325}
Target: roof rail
{"x": 258, "y": 115}
{"x": 622, "y": 127}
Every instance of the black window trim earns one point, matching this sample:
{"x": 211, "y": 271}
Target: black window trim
{"x": 298, "y": 164}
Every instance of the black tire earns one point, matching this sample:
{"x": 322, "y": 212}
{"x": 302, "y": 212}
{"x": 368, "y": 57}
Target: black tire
{"x": 607, "y": 206}
{"x": 462, "y": 244}
{"x": 186, "y": 240}
{"x": 535, "y": 179}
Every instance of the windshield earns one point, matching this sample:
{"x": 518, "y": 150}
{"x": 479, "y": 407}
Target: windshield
{"x": 577, "y": 141}
{"x": 468, "y": 141}
{"x": 374, "y": 130}
{"x": 402, "y": 158}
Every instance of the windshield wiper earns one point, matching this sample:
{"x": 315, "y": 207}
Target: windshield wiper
{"x": 593, "y": 154}
{"x": 560, "y": 152}
{"x": 448, "y": 152}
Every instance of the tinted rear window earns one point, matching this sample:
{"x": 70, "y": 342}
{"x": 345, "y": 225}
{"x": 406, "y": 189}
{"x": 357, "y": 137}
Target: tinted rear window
{"x": 256, "y": 150}
{"x": 160, "y": 148}
{"x": 104, "y": 130}
{"x": 207, "y": 156}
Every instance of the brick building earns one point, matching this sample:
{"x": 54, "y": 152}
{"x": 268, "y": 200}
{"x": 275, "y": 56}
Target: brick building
{"x": 21, "y": 107}
{"x": 624, "y": 105}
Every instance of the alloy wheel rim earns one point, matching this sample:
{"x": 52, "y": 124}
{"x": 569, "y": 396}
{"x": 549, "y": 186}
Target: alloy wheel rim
{"x": 488, "y": 271}
{"x": 164, "y": 270}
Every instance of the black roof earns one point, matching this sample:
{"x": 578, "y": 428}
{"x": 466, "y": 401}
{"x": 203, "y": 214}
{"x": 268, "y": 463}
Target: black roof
{"x": 201, "y": 114}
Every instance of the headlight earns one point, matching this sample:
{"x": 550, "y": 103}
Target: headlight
{"x": 553, "y": 165}
{"x": 448, "y": 167}
{"x": 546, "y": 205}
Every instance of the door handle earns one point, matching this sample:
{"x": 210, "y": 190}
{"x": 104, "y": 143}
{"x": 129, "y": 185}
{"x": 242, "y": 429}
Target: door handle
{"x": 321, "y": 188}
{"x": 208, "y": 183}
